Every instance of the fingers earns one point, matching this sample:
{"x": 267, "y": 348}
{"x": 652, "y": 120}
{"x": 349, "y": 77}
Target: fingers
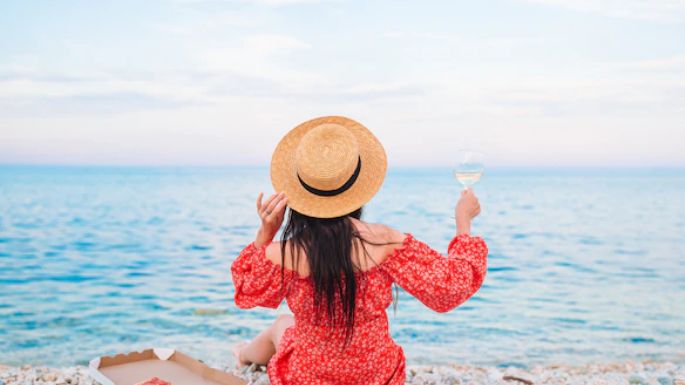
{"x": 272, "y": 207}
{"x": 279, "y": 209}
{"x": 268, "y": 201}
{"x": 476, "y": 210}
{"x": 259, "y": 202}
{"x": 467, "y": 191}
{"x": 279, "y": 197}
{"x": 468, "y": 195}
{"x": 468, "y": 203}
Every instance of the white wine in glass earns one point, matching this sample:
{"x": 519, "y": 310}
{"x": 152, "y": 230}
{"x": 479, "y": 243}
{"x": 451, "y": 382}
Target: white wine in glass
{"x": 469, "y": 167}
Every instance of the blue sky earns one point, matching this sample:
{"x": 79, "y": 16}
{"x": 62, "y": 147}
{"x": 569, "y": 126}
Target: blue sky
{"x": 528, "y": 82}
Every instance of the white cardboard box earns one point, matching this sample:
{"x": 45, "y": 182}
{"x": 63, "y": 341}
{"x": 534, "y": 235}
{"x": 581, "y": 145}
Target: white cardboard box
{"x": 167, "y": 364}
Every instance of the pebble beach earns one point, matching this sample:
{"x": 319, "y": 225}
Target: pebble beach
{"x": 622, "y": 373}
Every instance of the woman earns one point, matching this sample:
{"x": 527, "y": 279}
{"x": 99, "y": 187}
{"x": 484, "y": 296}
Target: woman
{"x": 336, "y": 271}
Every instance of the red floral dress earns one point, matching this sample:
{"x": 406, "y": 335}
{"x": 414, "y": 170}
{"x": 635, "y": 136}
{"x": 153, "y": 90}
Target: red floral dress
{"x": 310, "y": 353}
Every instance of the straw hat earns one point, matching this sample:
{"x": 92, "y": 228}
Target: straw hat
{"x": 328, "y": 166}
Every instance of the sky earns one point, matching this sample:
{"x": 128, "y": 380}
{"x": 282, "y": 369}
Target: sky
{"x": 582, "y": 83}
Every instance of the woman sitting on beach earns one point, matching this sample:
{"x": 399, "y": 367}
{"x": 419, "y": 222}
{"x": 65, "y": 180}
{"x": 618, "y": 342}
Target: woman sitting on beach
{"x": 336, "y": 271}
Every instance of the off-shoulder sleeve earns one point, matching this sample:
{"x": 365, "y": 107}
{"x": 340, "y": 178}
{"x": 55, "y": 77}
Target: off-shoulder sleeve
{"x": 440, "y": 282}
{"x": 257, "y": 280}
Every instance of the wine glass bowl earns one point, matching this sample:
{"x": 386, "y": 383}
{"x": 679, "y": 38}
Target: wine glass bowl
{"x": 469, "y": 167}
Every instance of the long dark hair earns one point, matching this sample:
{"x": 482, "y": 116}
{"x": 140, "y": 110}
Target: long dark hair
{"x": 328, "y": 244}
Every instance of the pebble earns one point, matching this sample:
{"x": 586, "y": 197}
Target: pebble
{"x": 635, "y": 373}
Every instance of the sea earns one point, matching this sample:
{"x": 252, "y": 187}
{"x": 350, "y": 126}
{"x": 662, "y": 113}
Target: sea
{"x": 585, "y": 265}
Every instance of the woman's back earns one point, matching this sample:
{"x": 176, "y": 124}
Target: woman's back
{"x": 376, "y": 241}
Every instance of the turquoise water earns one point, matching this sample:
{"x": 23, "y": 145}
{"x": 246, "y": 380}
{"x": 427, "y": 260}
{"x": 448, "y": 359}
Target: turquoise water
{"x": 584, "y": 266}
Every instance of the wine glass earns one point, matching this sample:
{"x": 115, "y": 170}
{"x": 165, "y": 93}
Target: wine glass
{"x": 469, "y": 167}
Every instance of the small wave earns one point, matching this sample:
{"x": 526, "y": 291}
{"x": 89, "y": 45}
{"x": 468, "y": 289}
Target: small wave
{"x": 75, "y": 278}
{"x": 630, "y": 252}
{"x": 497, "y": 269}
{"x": 567, "y": 320}
{"x": 136, "y": 274}
{"x": 200, "y": 247}
{"x": 590, "y": 241}
{"x": 640, "y": 340}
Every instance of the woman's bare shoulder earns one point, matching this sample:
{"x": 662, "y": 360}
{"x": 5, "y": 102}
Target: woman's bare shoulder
{"x": 273, "y": 253}
{"x": 379, "y": 241}
{"x": 379, "y": 232}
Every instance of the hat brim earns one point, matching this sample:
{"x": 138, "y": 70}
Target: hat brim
{"x": 371, "y": 175}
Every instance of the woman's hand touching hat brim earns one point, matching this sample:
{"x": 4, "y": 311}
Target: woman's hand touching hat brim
{"x": 271, "y": 212}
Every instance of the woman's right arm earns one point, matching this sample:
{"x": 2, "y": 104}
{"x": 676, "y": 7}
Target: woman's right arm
{"x": 443, "y": 282}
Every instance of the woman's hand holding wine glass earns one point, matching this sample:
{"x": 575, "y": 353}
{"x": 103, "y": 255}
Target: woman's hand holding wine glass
{"x": 467, "y": 171}
{"x": 467, "y": 208}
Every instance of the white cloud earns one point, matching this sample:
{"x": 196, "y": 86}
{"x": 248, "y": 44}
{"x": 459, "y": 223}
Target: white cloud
{"x": 254, "y": 66}
{"x": 276, "y": 3}
{"x": 668, "y": 64}
{"x": 656, "y": 10}
{"x": 263, "y": 57}
{"x": 287, "y": 2}
{"x": 47, "y": 85}
{"x": 271, "y": 44}
{"x": 423, "y": 35}
{"x": 202, "y": 22}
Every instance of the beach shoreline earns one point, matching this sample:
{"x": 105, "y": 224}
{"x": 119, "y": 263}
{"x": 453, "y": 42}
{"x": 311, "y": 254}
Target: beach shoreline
{"x": 627, "y": 372}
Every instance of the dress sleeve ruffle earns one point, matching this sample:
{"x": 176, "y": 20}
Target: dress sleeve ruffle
{"x": 440, "y": 282}
{"x": 257, "y": 280}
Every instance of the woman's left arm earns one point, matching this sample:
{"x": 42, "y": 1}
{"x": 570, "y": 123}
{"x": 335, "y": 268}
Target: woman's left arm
{"x": 257, "y": 280}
